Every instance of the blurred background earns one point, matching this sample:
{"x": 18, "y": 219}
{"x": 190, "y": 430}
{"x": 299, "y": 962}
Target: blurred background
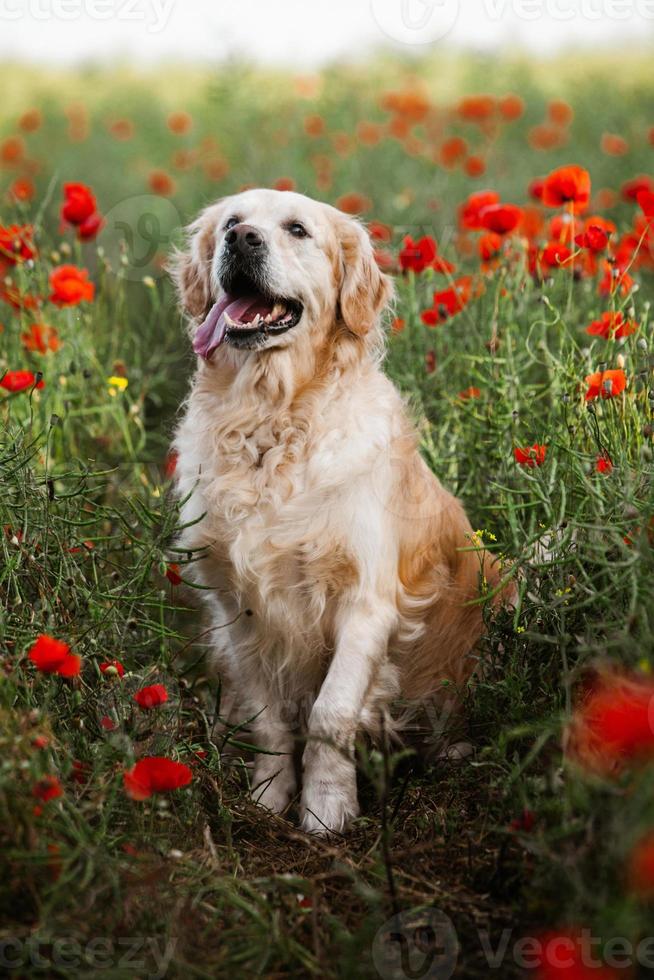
{"x": 292, "y": 33}
{"x": 392, "y": 109}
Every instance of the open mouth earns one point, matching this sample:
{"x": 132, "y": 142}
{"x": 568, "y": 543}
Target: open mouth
{"x": 245, "y": 321}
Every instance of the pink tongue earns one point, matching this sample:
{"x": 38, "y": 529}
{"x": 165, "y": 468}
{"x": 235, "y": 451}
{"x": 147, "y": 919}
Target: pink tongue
{"x": 211, "y": 333}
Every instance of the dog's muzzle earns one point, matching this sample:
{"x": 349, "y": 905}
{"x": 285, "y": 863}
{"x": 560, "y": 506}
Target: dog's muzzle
{"x": 249, "y": 313}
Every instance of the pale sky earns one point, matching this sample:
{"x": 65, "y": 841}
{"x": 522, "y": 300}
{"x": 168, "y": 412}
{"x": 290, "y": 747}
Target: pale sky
{"x": 302, "y": 33}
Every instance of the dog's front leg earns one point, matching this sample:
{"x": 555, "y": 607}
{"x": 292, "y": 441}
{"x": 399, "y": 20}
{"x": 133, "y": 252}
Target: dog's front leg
{"x": 329, "y": 794}
{"x": 273, "y": 780}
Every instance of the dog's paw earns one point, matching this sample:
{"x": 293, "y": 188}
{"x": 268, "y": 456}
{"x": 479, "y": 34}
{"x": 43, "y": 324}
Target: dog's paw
{"x": 328, "y": 807}
{"x": 274, "y": 794}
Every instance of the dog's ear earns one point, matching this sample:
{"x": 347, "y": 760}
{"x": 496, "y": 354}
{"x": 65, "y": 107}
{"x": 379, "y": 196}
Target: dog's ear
{"x": 365, "y": 289}
{"x": 190, "y": 268}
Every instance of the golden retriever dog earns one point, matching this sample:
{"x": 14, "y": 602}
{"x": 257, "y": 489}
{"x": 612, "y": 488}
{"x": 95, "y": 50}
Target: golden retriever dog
{"x": 338, "y": 572}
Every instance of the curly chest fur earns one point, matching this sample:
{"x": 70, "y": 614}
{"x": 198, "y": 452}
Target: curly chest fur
{"x": 275, "y": 528}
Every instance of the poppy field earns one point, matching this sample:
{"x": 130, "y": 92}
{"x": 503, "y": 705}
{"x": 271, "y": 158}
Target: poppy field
{"x": 514, "y": 204}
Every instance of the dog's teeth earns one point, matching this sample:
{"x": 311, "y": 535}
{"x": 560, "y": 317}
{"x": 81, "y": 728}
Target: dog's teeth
{"x": 278, "y": 310}
{"x": 268, "y": 318}
{"x": 230, "y": 322}
{"x": 255, "y": 322}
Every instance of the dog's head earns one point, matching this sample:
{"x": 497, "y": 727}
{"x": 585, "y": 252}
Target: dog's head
{"x": 265, "y": 267}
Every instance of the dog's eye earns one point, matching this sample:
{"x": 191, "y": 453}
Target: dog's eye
{"x": 231, "y": 222}
{"x": 297, "y": 230}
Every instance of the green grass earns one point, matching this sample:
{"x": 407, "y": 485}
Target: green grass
{"x": 200, "y": 882}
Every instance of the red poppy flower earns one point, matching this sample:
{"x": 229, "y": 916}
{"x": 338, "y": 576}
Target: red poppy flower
{"x": 155, "y": 774}
{"x": 170, "y": 464}
{"x": 12, "y": 150}
{"x": 70, "y": 286}
{"x": 379, "y": 231}
{"x": 417, "y": 256}
{"x": 152, "y": 696}
{"x": 530, "y": 456}
{"x": 369, "y": 133}
{"x": 179, "y": 123}
{"x": 567, "y": 955}
{"x": 606, "y": 384}
{"x": 614, "y": 280}
{"x": 449, "y": 301}
{"x": 112, "y": 667}
{"x": 595, "y": 239}
{"x": 48, "y": 788}
{"x": 560, "y": 228}
{"x": 613, "y": 725}
{"x": 476, "y": 108}
{"x": 20, "y": 380}
{"x": 314, "y": 125}
{"x": 500, "y": 218}
{"x": 121, "y": 129}
{"x": 552, "y": 256}
{"x": 79, "y": 204}
{"x": 511, "y": 107}
{"x": 646, "y": 203}
{"x": 567, "y": 186}
{"x": 22, "y": 189}
{"x": 614, "y": 145}
{"x": 30, "y": 120}
{"x": 411, "y": 102}
{"x": 353, "y": 203}
{"x": 470, "y": 392}
{"x": 525, "y": 822}
{"x": 172, "y": 574}
{"x": 640, "y": 873}
{"x": 452, "y": 151}
{"x": 546, "y": 137}
{"x": 422, "y": 255}
{"x": 489, "y": 246}
{"x": 90, "y": 228}
{"x": 536, "y": 188}
{"x": 161, "y": 183}
{"x": 561, "y": 113}
{"x": 632, "y": 188}
{"x": 284, "y": 184}
{"x": 52, "y": 656}
{"x": 470, "y": 210}
{"x": 16, "y": 244}
{"x": 603, "y": 463}
{"x": 475, "y": 166}
{"x": 384, "y": 259}
{"x": 81, "y": 772}
{"x": 531, "y": 224}
{"x": 84, "y": 548}
{"x": 40, "y": 339}
{"x": 612, "y": 325}
{"x": 17, "y": 300}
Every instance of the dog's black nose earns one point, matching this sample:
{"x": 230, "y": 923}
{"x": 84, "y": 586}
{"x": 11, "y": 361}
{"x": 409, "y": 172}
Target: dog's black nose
{"x": 244, "y": 239}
